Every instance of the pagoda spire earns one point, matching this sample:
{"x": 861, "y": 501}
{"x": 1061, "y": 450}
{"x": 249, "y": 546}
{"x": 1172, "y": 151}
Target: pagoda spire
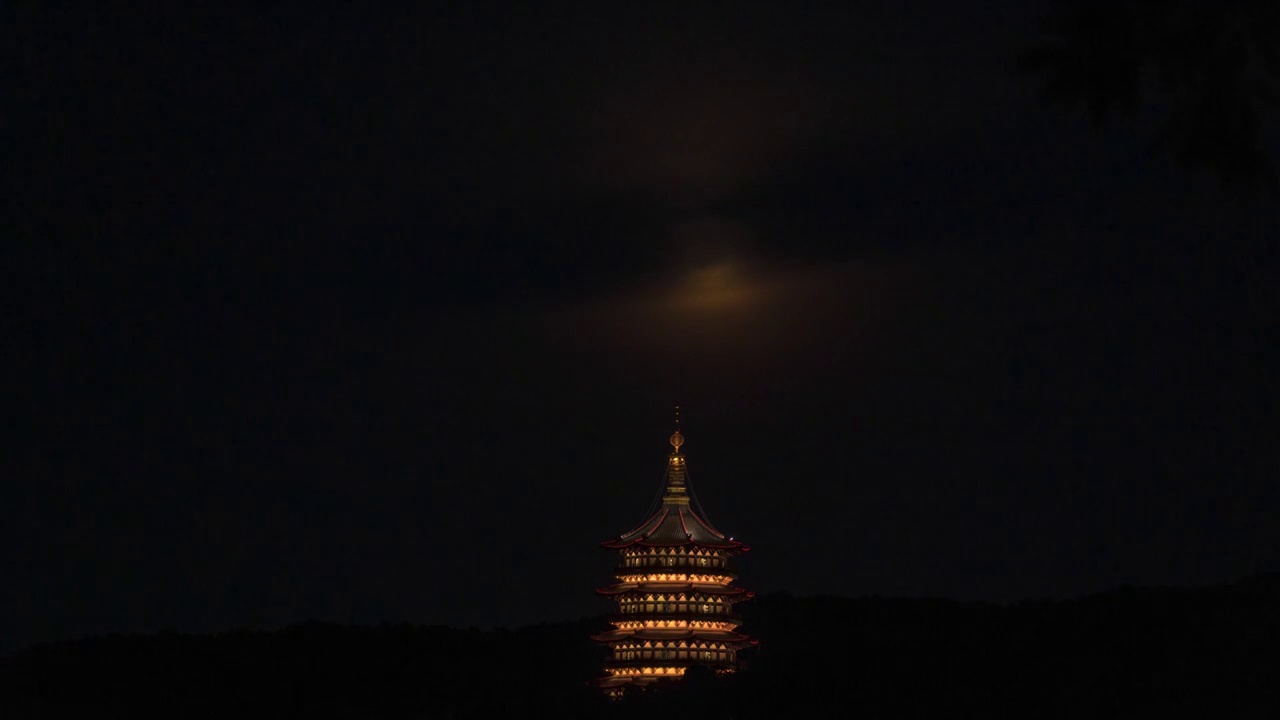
{"x": 676, "y": 438}
{"x": 675, "y": 491}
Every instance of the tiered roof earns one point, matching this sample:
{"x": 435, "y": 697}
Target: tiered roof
{"x": 678, "y": 520}
{"x": 666, "y": 634}
{"x": 673, "y": 587}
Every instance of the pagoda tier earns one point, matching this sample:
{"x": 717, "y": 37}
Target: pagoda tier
{"x": 671, "y": 634}
{"x": 645, "y": 588}
{"x": 674, "y": 592}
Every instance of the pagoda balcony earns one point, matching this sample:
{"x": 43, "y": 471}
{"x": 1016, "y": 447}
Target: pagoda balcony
{"x": 689, "y": 616}
{"x": 677, "y": 567}
{"x": 669, "y": 661}
{"x": 628, "y": 592}
{"x": 677, "y": 570}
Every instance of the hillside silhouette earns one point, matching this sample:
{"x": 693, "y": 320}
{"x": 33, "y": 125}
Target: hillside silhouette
{"x": 1131, "y": 652}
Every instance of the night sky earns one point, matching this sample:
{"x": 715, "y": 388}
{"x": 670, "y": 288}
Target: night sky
{"x": 377, "y": 315}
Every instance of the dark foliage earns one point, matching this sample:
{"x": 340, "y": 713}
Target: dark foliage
{"x": 1211, "y": 69}
{"x": 1211, "y": 652}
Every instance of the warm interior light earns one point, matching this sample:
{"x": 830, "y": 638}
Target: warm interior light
{"x": 658, "y": 670}
{"x": 659, "y": 582}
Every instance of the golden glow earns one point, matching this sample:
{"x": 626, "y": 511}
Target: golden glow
{"x": 680, "y": 550}
{"x": 676, "y": 577}
{"x": 675, "y": 557}
{"x": 682, "y": 644}
{"x": 720, "y": 286}
{"x": 696, "y": 650}
{"x": 660, "y": 670}
{"x": 681, "y": 597}
{"x": 674, "y": 625}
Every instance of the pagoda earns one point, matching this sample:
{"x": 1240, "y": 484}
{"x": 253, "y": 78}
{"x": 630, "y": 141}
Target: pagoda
{"x": 675, "y": 590}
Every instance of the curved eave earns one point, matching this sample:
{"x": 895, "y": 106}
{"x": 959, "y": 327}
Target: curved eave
{"x": 660, "y": 587}
{"x": 618, "y": 544}
{"x": 724, "y": 572}
{"x": 672, "y": 634}
{"x": 675, "y": 525}
{"x": 722, "y": 636}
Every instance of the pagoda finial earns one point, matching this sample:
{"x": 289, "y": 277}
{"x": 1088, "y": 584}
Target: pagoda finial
{"x": 676, "y": 438}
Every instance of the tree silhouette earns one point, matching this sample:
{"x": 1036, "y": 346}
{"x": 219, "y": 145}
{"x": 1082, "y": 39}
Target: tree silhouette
{"x": 1133, "y": 652}
{"x": 1212, "y": 69}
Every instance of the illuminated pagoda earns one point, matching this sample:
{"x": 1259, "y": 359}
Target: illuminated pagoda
{"x": 675, "y": 590}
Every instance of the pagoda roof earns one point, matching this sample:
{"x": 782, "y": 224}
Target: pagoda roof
{"x": 669, "y": 587}
{"x": 670, "y": 634}
{"x": 677, "y": 519}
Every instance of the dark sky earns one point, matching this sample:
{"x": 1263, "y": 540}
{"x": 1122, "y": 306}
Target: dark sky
{"x": 379, "y": 314}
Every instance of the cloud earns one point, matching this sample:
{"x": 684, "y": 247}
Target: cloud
{"x": 731, "y": 314}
